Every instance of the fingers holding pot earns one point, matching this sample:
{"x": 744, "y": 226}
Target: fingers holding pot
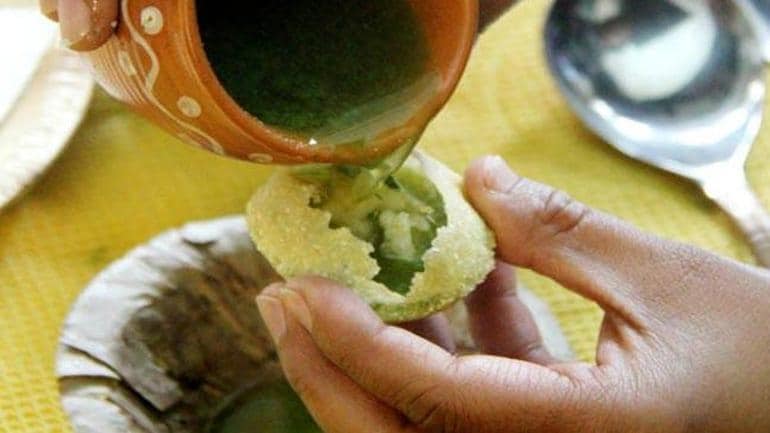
{"x": 175, "y": 62}
{"x": 50, "y": 8}
{"x": 85, "y": 24}
{"x": 491, "y": 10}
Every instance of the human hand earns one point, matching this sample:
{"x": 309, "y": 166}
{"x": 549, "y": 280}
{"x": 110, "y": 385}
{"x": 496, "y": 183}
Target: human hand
{"x": 88, "y": 24}
{"x": 85, "y": 24}
{"x": 683, "y": 346}
{"x": 490, "y": 10}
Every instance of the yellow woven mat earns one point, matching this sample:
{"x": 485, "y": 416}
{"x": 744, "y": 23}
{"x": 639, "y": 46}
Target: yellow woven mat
{"x": 123, "y": 181}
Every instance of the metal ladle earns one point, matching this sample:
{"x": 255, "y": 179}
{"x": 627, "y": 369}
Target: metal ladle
{"x": 678, "y": 84}
{"x": 758, "y": 12}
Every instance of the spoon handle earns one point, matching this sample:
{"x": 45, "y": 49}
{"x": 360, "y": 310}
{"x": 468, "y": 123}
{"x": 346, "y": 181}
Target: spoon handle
{"x": 758, "y": 15}
{"x": 732, "y": 192}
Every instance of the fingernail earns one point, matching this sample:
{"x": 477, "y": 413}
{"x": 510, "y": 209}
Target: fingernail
{"x": 49, "y": 8}
{"x": 272, "y": 313}
{"x": 273, "y": 289}
{"x": 295, "y": 303}
{"x": 497, "y": 176}
{"x": 76, "y": 17}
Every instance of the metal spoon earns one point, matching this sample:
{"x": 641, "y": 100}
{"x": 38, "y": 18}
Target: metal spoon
{"x": 758, "y": 12}
{"x": 678, "y": 84}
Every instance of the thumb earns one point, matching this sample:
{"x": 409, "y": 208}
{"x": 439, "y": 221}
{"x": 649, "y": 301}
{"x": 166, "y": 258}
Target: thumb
{"x": 532, "y": 221}
{"x": 85, "y": 24}
{"x": 621, "y": 268}
{"x": 434, "y": 390}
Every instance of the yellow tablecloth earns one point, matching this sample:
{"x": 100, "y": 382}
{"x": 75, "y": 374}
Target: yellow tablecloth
{"x": 123, "y": 181}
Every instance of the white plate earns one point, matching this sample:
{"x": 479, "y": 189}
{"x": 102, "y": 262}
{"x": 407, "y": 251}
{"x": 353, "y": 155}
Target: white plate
{"x": 120, "y": 363}
{"x": 44, "y": 94}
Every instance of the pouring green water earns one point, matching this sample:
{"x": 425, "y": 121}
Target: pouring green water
{"x": 336, "y": 72}
{"x": 333, "y": 72}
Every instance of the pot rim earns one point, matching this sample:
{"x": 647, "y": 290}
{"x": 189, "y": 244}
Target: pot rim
{"x": 295, "y": 147}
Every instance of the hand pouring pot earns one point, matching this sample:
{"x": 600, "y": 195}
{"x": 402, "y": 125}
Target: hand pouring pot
{"x": 158, "y": 64}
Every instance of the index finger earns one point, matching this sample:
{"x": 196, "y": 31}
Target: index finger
{"x": 416, "y": 377}
{"x": 436, "y": 329}
{"x": 501, "y": 324}
{"x": 635, "y": 275}
{"x": 87, "y": 24}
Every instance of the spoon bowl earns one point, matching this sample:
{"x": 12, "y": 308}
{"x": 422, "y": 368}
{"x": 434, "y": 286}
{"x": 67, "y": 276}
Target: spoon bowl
{"x": 678, "y": 84}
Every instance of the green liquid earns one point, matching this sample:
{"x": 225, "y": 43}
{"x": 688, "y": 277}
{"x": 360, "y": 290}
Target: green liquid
{"x": 319, "y": 67}
{"x": 397, "y": 211}
{"x": 274, "y": 408}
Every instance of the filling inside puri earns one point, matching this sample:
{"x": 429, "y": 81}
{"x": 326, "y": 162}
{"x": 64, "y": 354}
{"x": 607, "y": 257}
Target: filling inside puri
{"x": 399, "y": 217}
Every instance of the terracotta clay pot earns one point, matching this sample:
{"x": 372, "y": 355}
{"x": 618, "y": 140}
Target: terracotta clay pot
{"x": 157, "y": 65}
